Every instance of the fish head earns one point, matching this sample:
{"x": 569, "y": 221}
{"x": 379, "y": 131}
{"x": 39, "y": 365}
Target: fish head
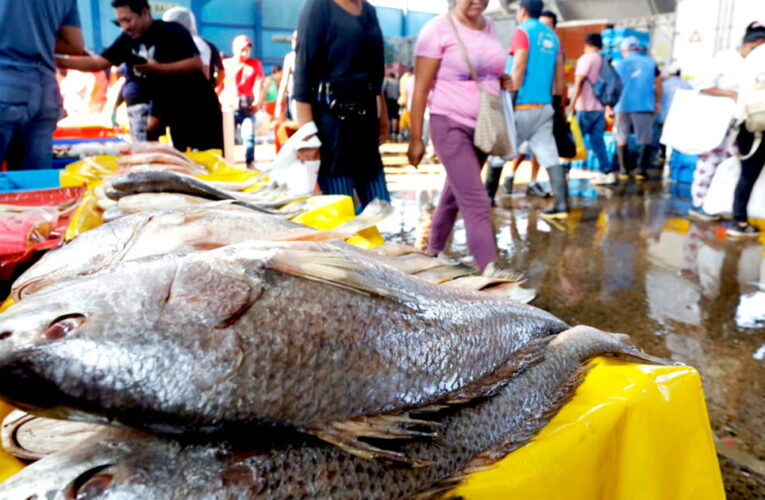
{"x": 147, "y": 335}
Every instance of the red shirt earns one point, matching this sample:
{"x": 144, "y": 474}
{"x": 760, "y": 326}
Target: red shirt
{"x": 244, "y": 75}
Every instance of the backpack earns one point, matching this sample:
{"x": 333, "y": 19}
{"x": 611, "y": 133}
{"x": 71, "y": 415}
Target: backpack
{"x": 608, "y": 87}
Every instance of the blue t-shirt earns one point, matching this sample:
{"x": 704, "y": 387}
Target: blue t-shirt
{"x": 543, "y": 50}
{"x": 28, "y": 35}
{"x": 638, "y": 73}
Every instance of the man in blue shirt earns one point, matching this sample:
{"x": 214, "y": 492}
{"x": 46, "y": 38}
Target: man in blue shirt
{"x": 30, "y": 102}
{"x": 639, "y": 103}
{"x": 537, "y": 73}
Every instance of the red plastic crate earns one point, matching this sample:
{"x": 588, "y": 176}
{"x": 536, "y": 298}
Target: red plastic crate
{"x": 10, "y": 258}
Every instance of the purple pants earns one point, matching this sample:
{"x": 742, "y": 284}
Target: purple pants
{"x": 463, "y": 191}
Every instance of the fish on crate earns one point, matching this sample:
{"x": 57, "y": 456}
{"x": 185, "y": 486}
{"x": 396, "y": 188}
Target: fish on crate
{"x": 127, "y": 464}
{"x": 300, "y": 334}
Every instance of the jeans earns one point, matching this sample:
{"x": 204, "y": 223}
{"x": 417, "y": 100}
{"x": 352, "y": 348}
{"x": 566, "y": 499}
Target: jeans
{"x": 593, "y": 124}
{"x": 246, "y": 124}
{"x": 750, "y": 171}
{"x": 30, "y": 107}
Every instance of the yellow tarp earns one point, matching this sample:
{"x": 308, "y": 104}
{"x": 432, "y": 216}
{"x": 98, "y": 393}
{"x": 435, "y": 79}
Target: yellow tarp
{"x": 630, "y": 432}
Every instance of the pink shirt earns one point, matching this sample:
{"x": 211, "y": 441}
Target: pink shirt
{"x": 454, "y": 92}
{"x": 588, "y": 66}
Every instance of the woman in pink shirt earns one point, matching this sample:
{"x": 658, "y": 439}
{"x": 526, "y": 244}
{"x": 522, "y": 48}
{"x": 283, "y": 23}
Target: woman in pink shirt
{"x": 443, "y": 82}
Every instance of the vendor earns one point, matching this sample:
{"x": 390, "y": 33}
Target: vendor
{"x": 30, "y": 103}
{"x": 164, "y": 54}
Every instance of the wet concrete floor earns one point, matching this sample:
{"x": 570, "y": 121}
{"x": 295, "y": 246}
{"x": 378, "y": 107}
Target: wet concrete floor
{"x": 629, "y": 260}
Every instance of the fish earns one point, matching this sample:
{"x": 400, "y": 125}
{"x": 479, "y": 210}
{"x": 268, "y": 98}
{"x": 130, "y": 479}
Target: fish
{"x": 163, "y": 181}
{"x": 291, "y": 334}
{"x": 183, "y": 230}
{"x": 128, "y": 464}
{"x": 156, "y": 202}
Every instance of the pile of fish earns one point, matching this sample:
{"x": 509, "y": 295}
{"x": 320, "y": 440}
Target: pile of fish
{"x": 223, "y": 352}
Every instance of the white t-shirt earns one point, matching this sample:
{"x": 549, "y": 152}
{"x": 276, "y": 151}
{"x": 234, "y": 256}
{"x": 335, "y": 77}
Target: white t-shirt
{"x": 726, "y": 69}
{"x": 753, "y": 68}
{"x": 204, "y": 50}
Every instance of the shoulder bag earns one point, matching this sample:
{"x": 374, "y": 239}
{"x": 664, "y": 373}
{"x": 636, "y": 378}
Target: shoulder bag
{"x": 490, "y": 135}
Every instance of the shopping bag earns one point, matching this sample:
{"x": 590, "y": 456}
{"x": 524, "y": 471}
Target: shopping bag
{"x": 719, "y": 199}
{"x": 564, "y": 138}
{"x": 697, "y": 123}
{"x": 576, "y": 132}
{"x": 299, "y": 177}
{"x": 512, "y": 134}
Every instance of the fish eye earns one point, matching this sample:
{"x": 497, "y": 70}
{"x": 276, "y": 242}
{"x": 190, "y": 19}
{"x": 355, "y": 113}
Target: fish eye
{"x": 90, "y": 484}
{"x": 63, "y": 326}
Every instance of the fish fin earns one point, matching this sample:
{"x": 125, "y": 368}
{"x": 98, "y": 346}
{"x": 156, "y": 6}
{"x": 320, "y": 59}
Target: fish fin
{"x": 444, "y": 274}
{"x": 349, "y": 434}
{"x": 533, "y": 353}
{"x": 521, "y": 436}
{"x": 334, "y": 269}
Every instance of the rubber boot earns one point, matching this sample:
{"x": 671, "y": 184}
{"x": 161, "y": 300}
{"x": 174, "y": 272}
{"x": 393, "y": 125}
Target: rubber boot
{"x": 623, "y": 155}
{"x": 559, "y": 185}
{"x": 492, "y": 182}
{"x": 644, "y": 162}
{"x": 508, "y": 185}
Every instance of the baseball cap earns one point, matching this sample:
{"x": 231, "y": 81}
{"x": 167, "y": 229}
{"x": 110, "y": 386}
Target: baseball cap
{"x": 630, "y": 43}
{"x": 533, "y": 7}
{"x": 240, "y": 42}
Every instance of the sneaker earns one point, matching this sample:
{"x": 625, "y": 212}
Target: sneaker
{"x": 554, "y": 214}
{"x": 496, "y": 272}
{"x": 536, "y": 189}
{"x": 737, "y": 230}
{"x": 608, "y": 179}
{"x": 698, "y": 213}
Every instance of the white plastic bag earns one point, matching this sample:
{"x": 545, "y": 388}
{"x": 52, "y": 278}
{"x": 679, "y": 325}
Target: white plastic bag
{"x": 507, "y": 103}
{"x": 697, "y": 123}
{"x": 719, "y": 199}
{"x": 299, "y": 177}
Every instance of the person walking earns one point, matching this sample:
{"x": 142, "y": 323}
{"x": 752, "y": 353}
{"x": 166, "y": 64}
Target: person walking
{"x": 243, "y": 92}
{"x": 392, "y": 92}
{"x": 537, "y": 73}
{"x": 442, "y": 81}
{"x": 639, "y": 103}
{"x": 590, "y": 113}
{"x": 751, "y": 147}
{"x": 164, "y": 54}
{"x": 285, "y": 103}
{"x": 30, "y": 102}
{"x": 723, "y": 79}
{"x": 339, "y": 71}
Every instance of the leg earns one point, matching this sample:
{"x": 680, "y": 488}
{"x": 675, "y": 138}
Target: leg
{"x": 372, "y": 188}
{"x": 534, "y": 188}
{"x": 596, "y": 131}
{"x": 704, "y": 173}
{"x": 750, "y": 171}
{"x": 36, "y": 137}
{"x": 463, "y": 191}
{"x": 248, "y": 137}
{"x": 138, "y": 116}
{"x": 330, "y": 184}
{"x": 643, "y": 123}
{"x": 542, "y": 143}
{"x": 493, "y": 175}
{"x": 9, "y": 119}
{"x": 534, "y": 168}
{"x": 622, "y": 135}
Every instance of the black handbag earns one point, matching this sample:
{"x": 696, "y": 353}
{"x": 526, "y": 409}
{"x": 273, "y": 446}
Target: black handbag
{"x": 564, "y": 138}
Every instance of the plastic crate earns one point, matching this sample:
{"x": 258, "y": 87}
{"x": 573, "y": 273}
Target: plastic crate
{"x": 682, "y": 167}
{"x": 10, "y": 258}
{"x": 25, "y": 180}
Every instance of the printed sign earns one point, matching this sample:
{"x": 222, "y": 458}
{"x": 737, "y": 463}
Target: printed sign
{"x": 159, "y": 8}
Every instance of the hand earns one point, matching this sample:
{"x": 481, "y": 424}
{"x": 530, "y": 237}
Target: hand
{"x": 571, "y": 109}
{"x": 657, "y": 109}
{"x": 150, "y": 66}
{"x": 506, "y": 82}
{"x": 416, "y": 152}
{"x": 384, "y": 130}
{"x": 610, "y": 113}
{"x": 308, "y": 154}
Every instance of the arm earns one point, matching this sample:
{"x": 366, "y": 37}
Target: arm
{"x": 578, "y": 86}
{"x": 659, "y": 90}
{"x": 718, "y": 92}
{"x": 425, "y": 70}
{"x": 560, "y": 76}
{"x": 84, "y": 63}
{"x": 69, "y": 41}
{"x": 281, "y": 94}
{"x": 520, "y": 59}
{"x": 382, "y": 105}
{"x": 188, "y": 65}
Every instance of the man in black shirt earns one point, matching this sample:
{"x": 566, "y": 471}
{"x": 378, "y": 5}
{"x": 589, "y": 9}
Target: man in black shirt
{"x": 165, "y": 57}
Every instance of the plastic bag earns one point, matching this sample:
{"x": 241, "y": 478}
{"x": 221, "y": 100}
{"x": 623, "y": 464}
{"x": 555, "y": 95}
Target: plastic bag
{"x": 512, "y": 134}
{"x": 299, "y": 177}
{"x": 576, "y": 131}
{"x": 697, "y": 123}
{"x": 21, "y": 230}
{"x": 721, "y": 192}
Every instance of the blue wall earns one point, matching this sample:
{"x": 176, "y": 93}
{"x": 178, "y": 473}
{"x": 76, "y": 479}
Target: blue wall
{"x": 221, "y": 20}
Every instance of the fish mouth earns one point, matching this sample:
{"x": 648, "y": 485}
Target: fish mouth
{"x": 91, "y": 483}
